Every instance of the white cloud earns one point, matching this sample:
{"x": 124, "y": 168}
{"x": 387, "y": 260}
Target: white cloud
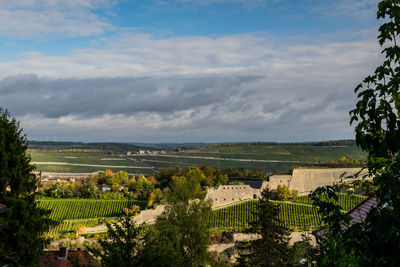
{"x": 44, "y": 18}
{"x": 234, "y": 87}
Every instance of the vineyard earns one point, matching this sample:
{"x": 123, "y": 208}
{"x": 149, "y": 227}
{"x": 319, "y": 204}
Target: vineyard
{"x": 345, "y": 201}
{"x": 67, "y": 209}
{"x": 300, "y": 216}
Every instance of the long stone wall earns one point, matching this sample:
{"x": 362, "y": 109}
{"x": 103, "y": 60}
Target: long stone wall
{"x": 226, "y": 194}
{"x": 304, "y": 180}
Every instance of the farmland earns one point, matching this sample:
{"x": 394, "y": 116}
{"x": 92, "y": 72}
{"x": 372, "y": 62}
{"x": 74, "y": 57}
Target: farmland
{"x": 85, "y": 162}
{"x": 67, "y": 209}
{"x": 267, "y": 157}
{"x": 239, "y": 216}
{"x": 88, "y": 212}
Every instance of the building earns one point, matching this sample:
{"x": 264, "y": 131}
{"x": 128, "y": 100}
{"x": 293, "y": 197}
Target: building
{"x": 104, "y": 187}
{"x": 303, "y": 180}
{"x": 3, "y": 208}
{"x": 358, "y": 214}
{"x": 67, "y": 258}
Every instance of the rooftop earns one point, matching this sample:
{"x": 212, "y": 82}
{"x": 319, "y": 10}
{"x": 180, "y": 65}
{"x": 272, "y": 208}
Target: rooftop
{"x": 67, "y": 258}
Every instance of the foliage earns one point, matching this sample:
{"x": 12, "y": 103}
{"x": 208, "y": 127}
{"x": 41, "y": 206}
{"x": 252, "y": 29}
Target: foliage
{"x": 21, "y": 226}
{"x": 374, "y": 242}
{"x": 302, "y": 252}
{"x": 282, "y": 193}
{"x": 272, "y": 247}
{"x": 122, "y": 245}
{"x": 133, "y": 211}
{"x": 181, "y": 234}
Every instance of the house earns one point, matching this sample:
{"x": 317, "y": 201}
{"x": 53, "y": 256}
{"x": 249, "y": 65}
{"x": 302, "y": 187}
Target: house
{"x": 358, "y": 214}
{"x": 104, "y": 187}
{"x": 3, "y": 208}
{"x": 66, "y": 258}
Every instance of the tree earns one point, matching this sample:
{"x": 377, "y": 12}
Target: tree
{"x": 272, "y": 247}
{"x": 282, "y": 193}
{"x": 181, "y": 234}
{"x": 375, "y": 242}
{"x": 122, "y": 245}
{"x": 24, "y": 223}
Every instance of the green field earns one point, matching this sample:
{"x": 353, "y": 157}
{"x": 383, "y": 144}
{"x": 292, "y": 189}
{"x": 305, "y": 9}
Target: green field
{"x": 306, "y": 153}
{"x": 345, "y": 201}
{"x": 160, "y": 162}
{"x": 224, "y": 156}
{"x": 102, "y": 160}
{"x": 68, "y": 209}
{"x": 88, "y": 212}
{"x": 282, "y": 157}
{"x": 300, "y": 216}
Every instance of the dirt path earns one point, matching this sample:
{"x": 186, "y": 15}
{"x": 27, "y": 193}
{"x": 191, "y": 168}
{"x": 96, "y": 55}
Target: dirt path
{"x": 215, "y": 158}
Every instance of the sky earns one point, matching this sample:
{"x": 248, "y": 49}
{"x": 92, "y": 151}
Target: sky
{"x": 185, "y": 70}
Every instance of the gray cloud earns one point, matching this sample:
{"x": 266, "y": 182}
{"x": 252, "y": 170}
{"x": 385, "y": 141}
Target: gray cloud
{"x": 26, "y": 94}
{"x": 227, "y": 88}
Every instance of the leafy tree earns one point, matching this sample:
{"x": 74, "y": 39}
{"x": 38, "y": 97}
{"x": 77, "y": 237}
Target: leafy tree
{"x": 181, "y": 234}
{"x": 282, "y": 192}
{"x": 272, "y": 248}
{"x": 374, "y": 242}
{"x": 301, "y": 253}
{"x": 122, "y": 177}
{"x": 122, "y": 245}
{"x": 24, "y": 223}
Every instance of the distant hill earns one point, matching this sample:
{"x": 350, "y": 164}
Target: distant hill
{"x": 321, "y": 143}
{"x": 51, "y": 145}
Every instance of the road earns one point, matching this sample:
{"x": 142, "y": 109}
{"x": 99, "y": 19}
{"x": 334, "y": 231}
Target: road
{"x": 90, "y": 165}
{"x": 216, "y": 158}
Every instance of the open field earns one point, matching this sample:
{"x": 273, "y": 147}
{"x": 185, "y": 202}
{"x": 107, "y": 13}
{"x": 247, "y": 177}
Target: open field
{"x": 298, "y": 152}
{"x": 85, "y": 162}
{"x": 267, "y": 157}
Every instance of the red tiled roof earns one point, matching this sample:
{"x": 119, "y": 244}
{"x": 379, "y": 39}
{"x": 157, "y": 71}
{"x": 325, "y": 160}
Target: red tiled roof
{"x": 55, "y": 259}
{"x": 2, "y": 207}
{"x": 358, "y": 214}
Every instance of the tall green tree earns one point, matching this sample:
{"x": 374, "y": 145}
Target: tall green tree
{"x": 271, "y": 249}
{"x": 376, "y": 241}
{"x": 181, "y": 234}
{"x": 24, "y": 223}
{"x": 122, "y": 245}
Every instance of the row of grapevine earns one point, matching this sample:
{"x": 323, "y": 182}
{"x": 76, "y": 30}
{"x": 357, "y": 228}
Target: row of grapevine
{"x": 63, "y": 209}
{"x": 346, "y": 201}
{"x": 239, "y": 216}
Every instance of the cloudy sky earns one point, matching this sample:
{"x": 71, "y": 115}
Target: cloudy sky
{"x": 185, "y": 70}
